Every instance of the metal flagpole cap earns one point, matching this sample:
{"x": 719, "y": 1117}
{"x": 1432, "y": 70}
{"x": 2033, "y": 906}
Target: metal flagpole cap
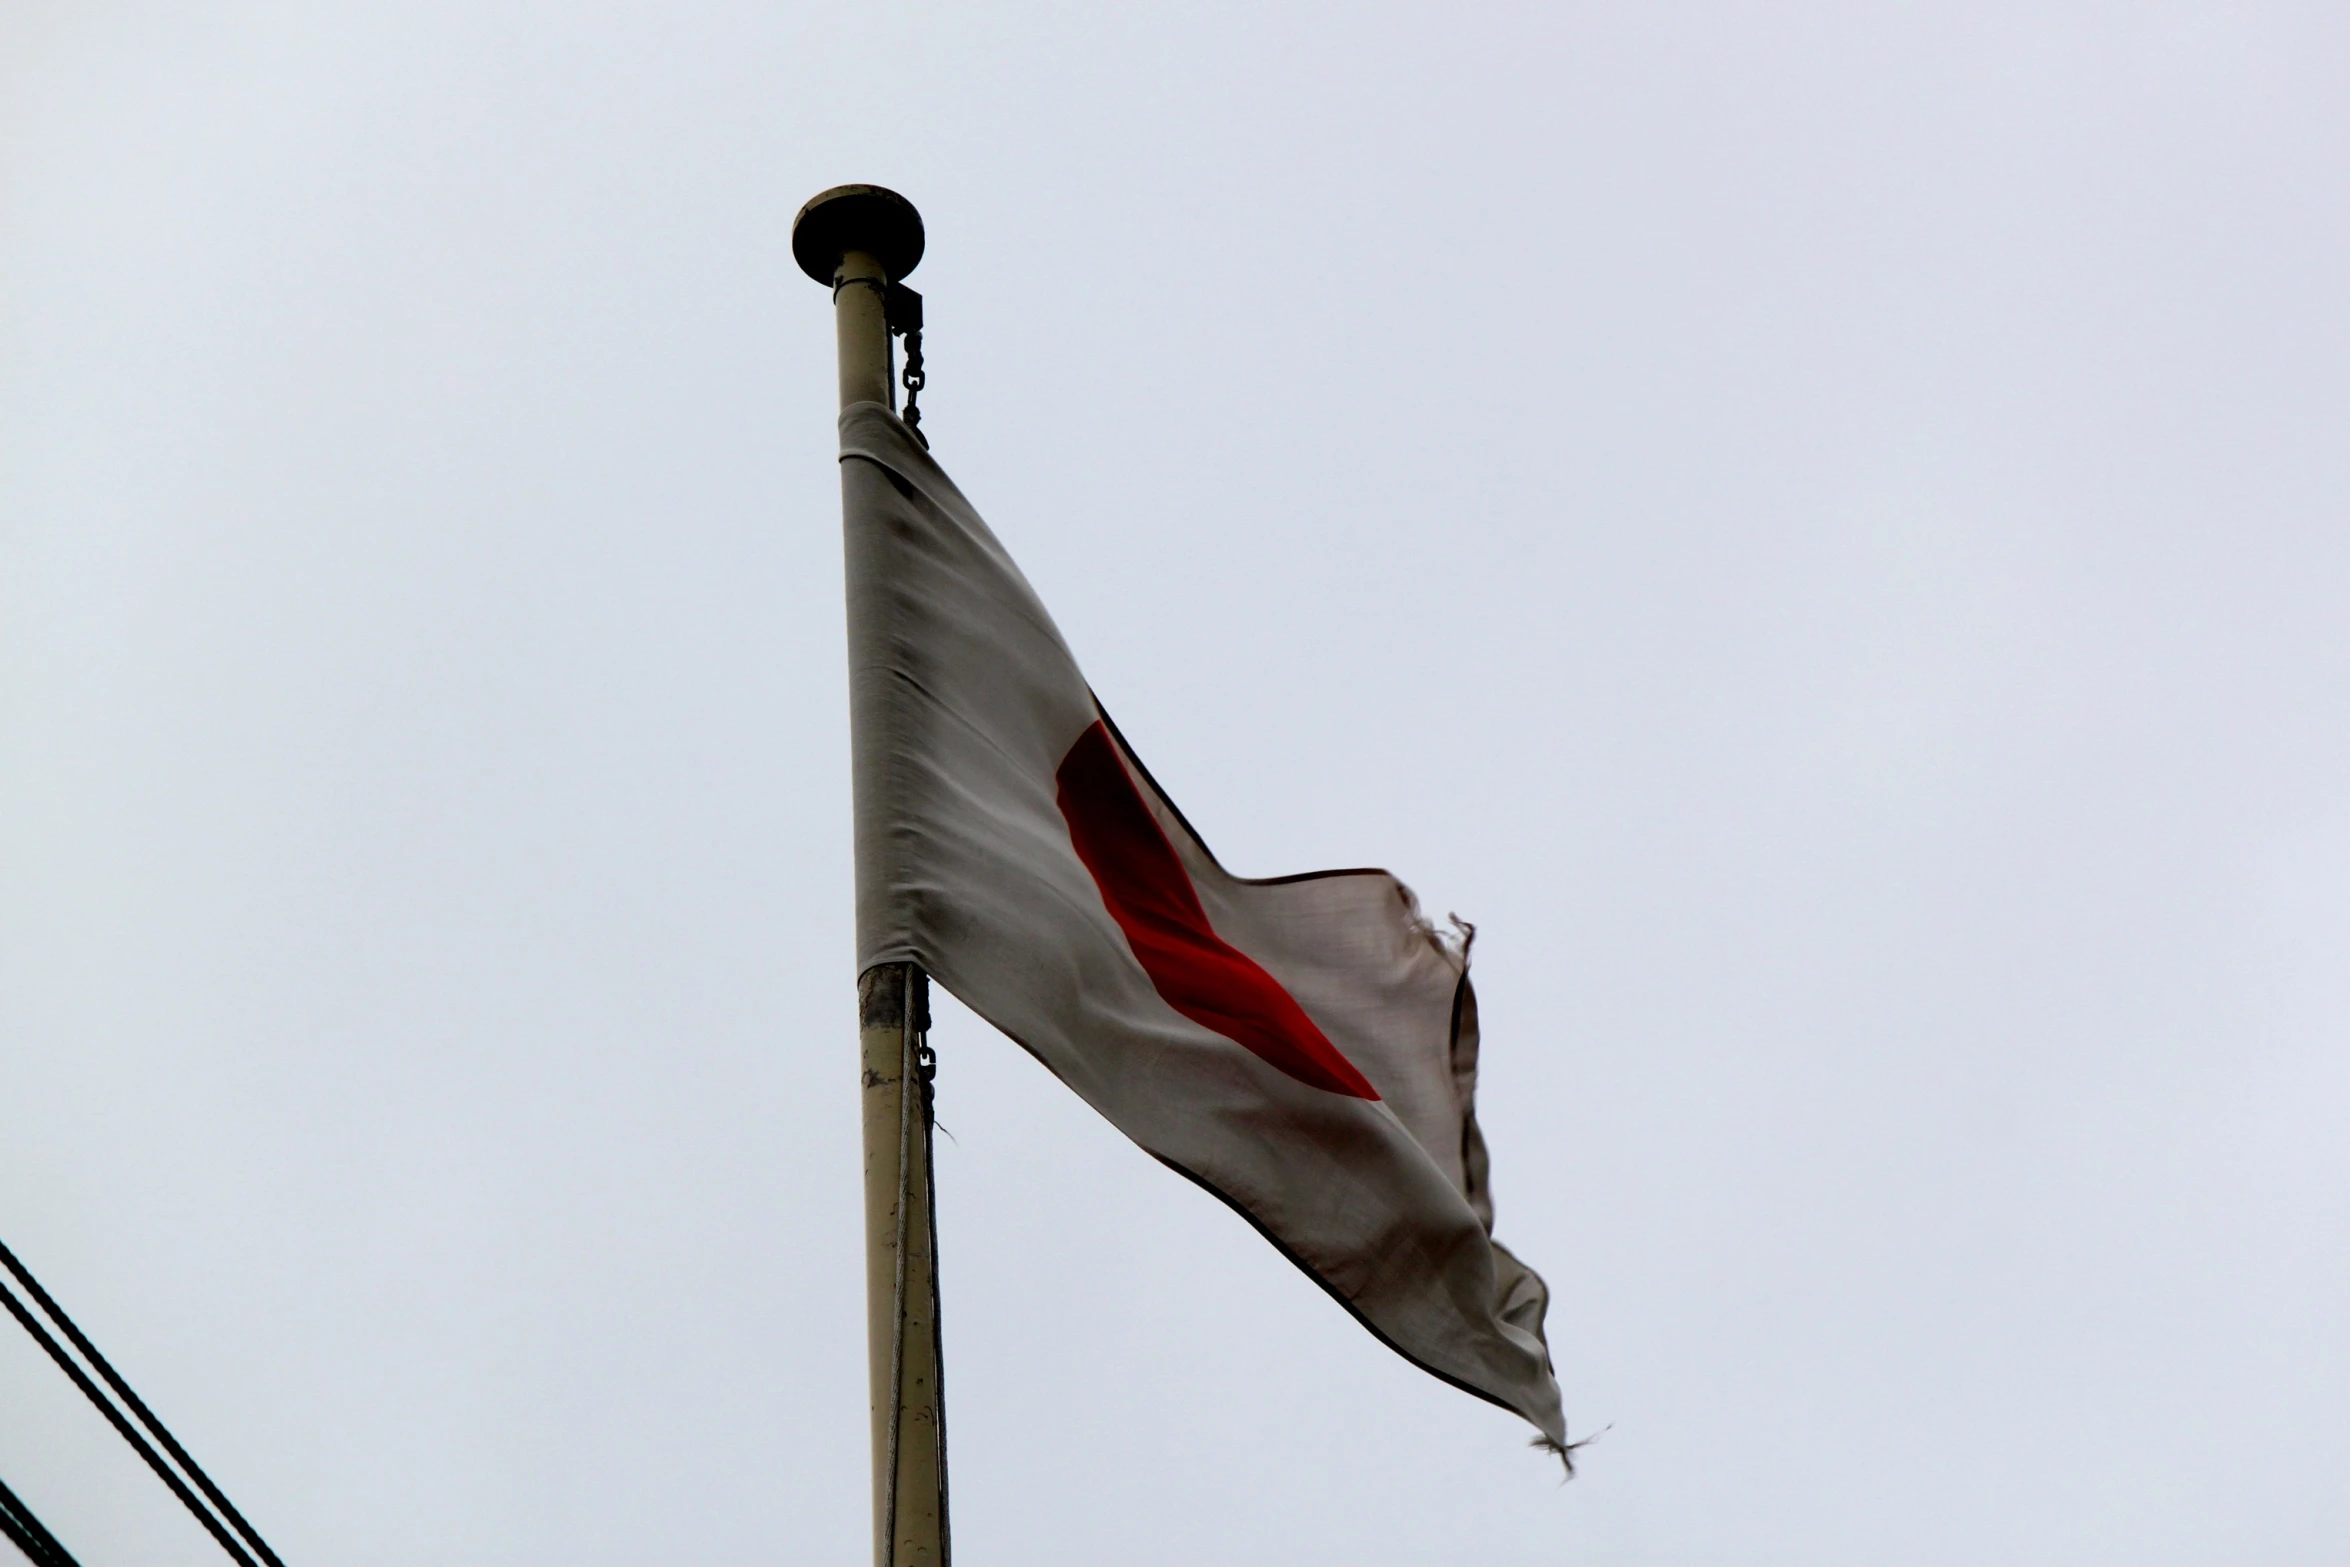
{"x": 879, "y": 222}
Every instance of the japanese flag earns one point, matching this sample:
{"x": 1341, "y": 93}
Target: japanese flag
{"x": 1304, "y": 1047}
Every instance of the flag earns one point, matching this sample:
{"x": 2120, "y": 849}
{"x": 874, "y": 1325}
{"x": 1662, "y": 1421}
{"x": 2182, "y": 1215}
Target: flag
{"x": 1303, "y": 1047}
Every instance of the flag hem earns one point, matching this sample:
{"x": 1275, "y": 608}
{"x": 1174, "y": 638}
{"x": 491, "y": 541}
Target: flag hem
{"x": 1135, "y": 760}
{"x": 1332, "y": 1290}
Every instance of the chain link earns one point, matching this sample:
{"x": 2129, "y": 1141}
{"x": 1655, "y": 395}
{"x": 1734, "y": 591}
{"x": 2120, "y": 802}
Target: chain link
{"x": 902, "y": 308}
{"x": 914, "y": 379}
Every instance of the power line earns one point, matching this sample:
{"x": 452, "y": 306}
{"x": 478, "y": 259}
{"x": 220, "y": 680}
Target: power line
{"x": 163, "y": 1471}
{"x": 26, "y": 1533}
{"x": 122, "y": 1424}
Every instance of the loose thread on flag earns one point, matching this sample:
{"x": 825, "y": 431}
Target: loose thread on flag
{"x": 1565, "y": 1452}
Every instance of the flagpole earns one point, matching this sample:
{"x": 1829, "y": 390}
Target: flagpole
{"x": 861, "y": 239}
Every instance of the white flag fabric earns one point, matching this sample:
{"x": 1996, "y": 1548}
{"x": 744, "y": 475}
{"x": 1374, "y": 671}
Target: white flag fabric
{"x": 1304, "y": 1047}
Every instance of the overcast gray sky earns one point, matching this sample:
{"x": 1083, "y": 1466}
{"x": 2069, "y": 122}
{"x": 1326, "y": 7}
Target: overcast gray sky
{"x": 1825, "y": 530}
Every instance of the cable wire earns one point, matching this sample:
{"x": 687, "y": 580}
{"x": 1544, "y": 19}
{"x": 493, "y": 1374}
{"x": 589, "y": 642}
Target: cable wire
{"x": 122, "y": 1425}
{"x": 137, "y": 1405}
{"x": 26, "y": 1533}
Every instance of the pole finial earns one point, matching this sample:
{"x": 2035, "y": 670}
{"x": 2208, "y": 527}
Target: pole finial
{"x": 879, "y": 222}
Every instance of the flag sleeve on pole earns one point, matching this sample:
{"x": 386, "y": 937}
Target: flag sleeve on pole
{"x": 1304, "y": 1047}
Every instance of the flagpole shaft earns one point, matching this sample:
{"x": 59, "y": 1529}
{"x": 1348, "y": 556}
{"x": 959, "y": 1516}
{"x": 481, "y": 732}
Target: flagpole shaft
{"x": 861, "y": 239}
{"x": 901, "y": 1294}
{"x": 862, "y": 329}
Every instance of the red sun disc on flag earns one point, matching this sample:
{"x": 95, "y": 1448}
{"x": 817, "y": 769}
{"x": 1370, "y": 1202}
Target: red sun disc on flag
{"x": 1196, "y": 971}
